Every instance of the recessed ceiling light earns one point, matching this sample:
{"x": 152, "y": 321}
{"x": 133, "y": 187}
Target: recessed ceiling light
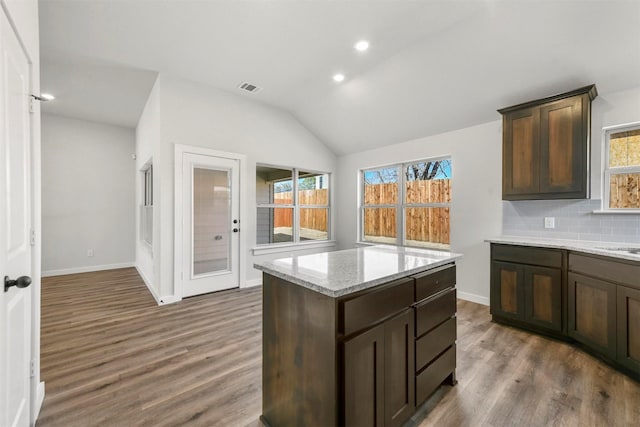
{"x": 338, "y": 77}
{"x": 362, "y": 45}
{"x": 47, "y": 96}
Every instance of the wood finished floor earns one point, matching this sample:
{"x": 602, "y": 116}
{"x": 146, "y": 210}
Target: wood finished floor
{"x": 112, "y": 357}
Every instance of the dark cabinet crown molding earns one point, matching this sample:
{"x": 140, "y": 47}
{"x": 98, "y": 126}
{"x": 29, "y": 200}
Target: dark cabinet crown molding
{"x": 590, "y": 90}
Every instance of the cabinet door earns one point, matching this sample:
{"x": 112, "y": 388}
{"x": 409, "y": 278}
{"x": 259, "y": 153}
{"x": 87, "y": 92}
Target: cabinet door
{"x": 629, "y": 327}
{"x": 543, "y": 297}
{"x": 521, "y": 153}
{"x": 563, "y": 149}
{"x": 507, "y": 290}
{"x": 399, "y": 369}
{"x": 592, "y": 313}
{"x": 364, "y": 378}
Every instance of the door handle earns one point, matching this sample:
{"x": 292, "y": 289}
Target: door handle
{"x": 20, "y": 282}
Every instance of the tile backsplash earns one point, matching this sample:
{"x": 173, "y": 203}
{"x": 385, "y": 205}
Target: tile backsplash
{"x": 574, "y": 219}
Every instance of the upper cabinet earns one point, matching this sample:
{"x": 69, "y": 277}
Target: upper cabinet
{"x": 545, "y": 147}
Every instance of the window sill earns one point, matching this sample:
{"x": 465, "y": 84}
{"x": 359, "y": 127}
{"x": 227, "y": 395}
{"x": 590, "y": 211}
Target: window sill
{"x": 617, "y": 212}
{"x": 288, "y": 247}
{"x": 365, "y": 244}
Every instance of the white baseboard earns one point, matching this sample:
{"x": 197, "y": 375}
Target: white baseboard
{"x": 89, "y": 269}
{"x": 169, "y": 299}
{"x": 473, "y": 298}
{"x": 252, "y": 283}
{"x": 147, "y": 282}
{"x": 39, "y": 400}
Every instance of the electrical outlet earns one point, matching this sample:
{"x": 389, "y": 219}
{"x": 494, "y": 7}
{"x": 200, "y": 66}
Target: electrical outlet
{"x": 89, "y": 252}
{"x": 549, "y": 222}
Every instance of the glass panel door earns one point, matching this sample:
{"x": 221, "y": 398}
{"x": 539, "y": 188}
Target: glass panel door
{"x": 211, "y": 233}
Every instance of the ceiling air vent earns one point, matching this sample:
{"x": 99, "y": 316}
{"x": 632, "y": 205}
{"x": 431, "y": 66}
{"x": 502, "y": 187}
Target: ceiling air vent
{"x": 249, "y": 87}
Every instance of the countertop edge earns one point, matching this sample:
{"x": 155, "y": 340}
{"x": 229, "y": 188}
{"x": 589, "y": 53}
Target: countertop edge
{"x": 589, "y": 247}
{"x": 359, "y": 286}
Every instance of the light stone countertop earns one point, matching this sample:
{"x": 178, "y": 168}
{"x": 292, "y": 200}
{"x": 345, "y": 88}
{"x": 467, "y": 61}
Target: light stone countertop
{"x": 585, "y": 246}
{"x": 340, "y": 273}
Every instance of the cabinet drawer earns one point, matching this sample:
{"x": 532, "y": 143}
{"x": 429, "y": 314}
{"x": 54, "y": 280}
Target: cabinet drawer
{"x": 371, "y": 307}
{"x": 428, "y": 380}
{"x": 626, "y": 273}
{"x": 435, "y": 342}
{"x": 432, "y": 282}
{"x": 527, "y": 255}
{"x": 434, "y": 311}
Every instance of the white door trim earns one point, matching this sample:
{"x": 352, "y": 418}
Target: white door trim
{"x": 179, "y": 150}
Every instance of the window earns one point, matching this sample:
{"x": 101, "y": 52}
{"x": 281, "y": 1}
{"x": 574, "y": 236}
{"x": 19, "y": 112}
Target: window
{"x": 622, "y": 168}
{"x": 293, "y": 205}
{"x": 407, "y": 204}
{"x": 146, "y": 211}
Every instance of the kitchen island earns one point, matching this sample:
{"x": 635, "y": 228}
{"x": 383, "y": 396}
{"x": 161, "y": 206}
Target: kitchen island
{"x": 356, "y": 337}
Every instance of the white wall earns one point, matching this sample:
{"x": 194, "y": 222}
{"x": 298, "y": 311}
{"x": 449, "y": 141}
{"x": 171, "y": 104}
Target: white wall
{"x": 610, "y": 109}
{"x": 199, "y": 115}
{"x": 476, "y": 210}
{"x": 88, "y": 195}
{"x": 147, "y": 141}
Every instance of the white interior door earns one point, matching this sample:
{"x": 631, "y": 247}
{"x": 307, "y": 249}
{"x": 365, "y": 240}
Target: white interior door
{"x": 211, "y": 228}
{"x": 15, "y": 226}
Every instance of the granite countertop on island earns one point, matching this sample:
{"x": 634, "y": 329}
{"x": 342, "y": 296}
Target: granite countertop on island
{"x": 340, "y": 273}
{"x": 610, "y": 249}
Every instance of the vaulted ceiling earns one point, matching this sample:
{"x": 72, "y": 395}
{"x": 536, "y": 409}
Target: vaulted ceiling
{"x": 432, "y": 65}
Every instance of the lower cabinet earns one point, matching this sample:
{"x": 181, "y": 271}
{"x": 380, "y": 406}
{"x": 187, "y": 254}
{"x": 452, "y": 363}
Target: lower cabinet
{"x": 364, "y": 379}
{"x": 599, "y": 307}
{"x": 507, "y": 290}
{"x": 525, "y": 292}
{"x": 378, "y": 374}
{"x": 543, "y": 297}
{"x": 592, "y": 313}
{"x": 628, "y": 305}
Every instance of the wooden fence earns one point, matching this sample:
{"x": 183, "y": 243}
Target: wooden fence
{"x": 422, "y": 224}
{"x": 315, "y": 219}
{"x": 625, "y": 190}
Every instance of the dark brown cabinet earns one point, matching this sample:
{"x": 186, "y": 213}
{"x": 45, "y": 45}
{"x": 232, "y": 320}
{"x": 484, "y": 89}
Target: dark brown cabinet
{"x": 628, "y": 306}
{"x": 351, "y": 360}
{"x": 592, "y": 313}
{"x": 543, "y": 297}
{"x": 507, "y": 290}
{"x": 546, "y": 147}
{"x": 526, "y": 286}
{"x": 399, "y": 366}
{"x": 364, "y": 378}
{"x": 599, "y": 307}
{"x": 378, "y": 374}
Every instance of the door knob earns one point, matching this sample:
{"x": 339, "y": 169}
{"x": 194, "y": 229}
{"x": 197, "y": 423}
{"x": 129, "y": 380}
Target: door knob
{"x": 20, "y": 282}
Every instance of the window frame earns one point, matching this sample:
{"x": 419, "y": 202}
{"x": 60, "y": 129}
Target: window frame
{"x": 607, "y": 171}
{"x": 146, "y": 207}
{"x": 296, "y": 207}
{"x": 400, "y": 204}
{"x": 147, "y": 197}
